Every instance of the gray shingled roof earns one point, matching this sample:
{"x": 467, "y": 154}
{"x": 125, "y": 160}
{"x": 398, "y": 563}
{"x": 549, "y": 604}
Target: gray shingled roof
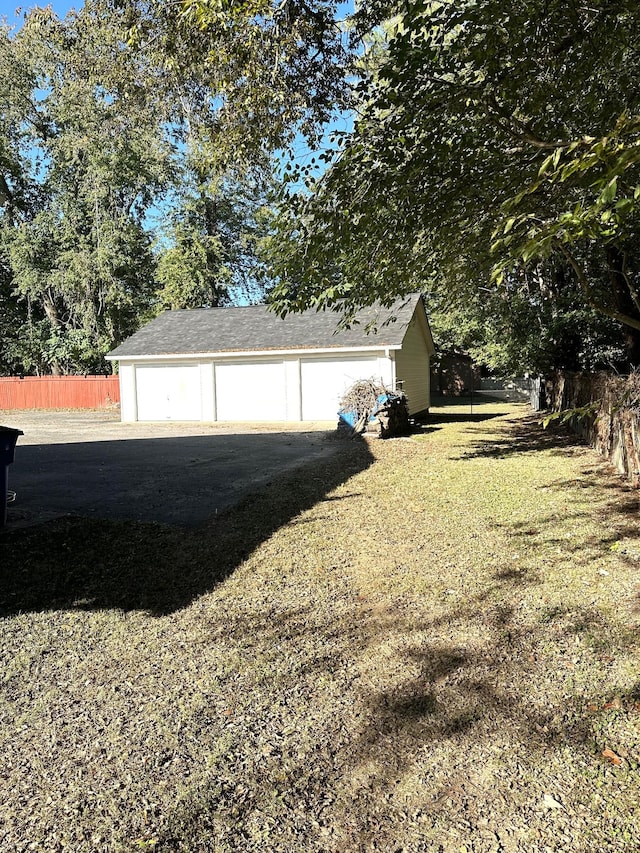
{"x": 254, "y": 328}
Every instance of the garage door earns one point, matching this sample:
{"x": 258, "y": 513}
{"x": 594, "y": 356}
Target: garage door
{"x": 168, "y": 392}
{"x": 251, "y": 392}
{"x": 325, "y": 380}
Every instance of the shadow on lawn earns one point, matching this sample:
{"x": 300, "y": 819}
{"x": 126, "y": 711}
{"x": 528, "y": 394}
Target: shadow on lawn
{"x": 460, "y": 698}
{"x": 606, "y": 491}
{"x": 442, "y": 700}
{"x": 525, "y": 435}
{"x": 88, "y": 564}
{"x": 436, "y": 417}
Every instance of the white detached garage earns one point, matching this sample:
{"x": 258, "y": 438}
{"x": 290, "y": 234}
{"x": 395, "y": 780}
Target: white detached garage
{"x": 247, "y": 364}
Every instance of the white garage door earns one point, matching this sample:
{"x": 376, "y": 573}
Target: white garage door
{"x": 168, "y": 392}
{"x": 325, "y": 380}
{"x": 251, "y": 392}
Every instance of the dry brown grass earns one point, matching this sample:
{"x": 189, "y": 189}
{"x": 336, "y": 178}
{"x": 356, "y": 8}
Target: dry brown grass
{"x": 426, "y": 646}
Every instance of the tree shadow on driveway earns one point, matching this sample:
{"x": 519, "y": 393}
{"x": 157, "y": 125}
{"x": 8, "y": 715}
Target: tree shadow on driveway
{"x": 81, "y": 563}
{"x": 180, "y": 480}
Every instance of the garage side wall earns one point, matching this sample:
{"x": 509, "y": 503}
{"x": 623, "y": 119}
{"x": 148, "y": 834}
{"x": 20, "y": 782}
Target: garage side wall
{"x": 413, "y": 368}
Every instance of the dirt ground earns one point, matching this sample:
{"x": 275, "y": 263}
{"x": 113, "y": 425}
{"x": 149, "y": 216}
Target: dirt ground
{"x": 91, "y": 464}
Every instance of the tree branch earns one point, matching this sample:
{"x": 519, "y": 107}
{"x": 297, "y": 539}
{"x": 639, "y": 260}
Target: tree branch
{"x": 633, "y": 291}
{"x": 521, "y": 130}
{"x": 587, "y": 292}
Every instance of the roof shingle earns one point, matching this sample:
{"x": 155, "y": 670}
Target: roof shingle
{"x": 255, "y": 328}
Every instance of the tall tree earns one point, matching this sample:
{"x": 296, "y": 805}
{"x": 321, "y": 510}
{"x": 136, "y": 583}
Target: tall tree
{"x": 133, "y": 107}
{"x": 211, "y": 251}
{"x": 84, "y": 161}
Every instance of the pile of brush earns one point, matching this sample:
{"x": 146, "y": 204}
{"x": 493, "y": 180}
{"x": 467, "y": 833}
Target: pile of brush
{"x": 367, "y": 406}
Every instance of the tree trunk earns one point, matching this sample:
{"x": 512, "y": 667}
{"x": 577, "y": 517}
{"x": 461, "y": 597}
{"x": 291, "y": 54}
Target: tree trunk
{"x": 624, "y": 302}
{"x": 52, "y": 314}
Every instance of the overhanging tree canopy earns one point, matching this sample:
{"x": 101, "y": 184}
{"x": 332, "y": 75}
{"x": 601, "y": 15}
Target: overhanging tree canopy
{"x": 493, "y": 136}
{"x": 264, "y": 71}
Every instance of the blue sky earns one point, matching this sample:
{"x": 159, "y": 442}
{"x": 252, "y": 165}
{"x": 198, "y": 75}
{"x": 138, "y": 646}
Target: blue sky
{"x": 8, "y": 8}
{"x": 13, "y": 10}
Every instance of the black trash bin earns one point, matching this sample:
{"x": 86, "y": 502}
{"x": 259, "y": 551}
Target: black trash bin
{"x": 8, "y": 438}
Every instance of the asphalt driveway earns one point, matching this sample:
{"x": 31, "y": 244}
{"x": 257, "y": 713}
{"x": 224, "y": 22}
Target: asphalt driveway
{"x": 90, "y": 464}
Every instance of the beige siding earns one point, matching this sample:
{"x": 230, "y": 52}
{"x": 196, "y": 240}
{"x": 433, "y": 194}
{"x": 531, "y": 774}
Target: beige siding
{"x": 412, "y": 364}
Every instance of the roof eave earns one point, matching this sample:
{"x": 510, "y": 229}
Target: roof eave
{"x": 242, "y": 353}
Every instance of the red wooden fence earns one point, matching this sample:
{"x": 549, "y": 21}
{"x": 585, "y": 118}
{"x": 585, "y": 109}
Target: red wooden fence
{"x": 59, "y": 392}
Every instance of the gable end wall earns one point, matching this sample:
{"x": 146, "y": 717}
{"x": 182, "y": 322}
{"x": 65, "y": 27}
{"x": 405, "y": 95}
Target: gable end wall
{"x": 413, "y": 367}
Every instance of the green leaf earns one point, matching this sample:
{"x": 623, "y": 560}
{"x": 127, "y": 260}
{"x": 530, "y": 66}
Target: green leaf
{"x": 625, "y": 205}
{"x": 609, "y": 192}
{"x": 545, "y": 165}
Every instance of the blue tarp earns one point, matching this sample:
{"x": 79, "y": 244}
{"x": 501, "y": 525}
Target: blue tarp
{"x": 351, "y": 418}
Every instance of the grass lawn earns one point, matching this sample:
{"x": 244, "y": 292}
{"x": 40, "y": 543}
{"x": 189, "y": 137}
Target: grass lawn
{"x": 427, "y": 644}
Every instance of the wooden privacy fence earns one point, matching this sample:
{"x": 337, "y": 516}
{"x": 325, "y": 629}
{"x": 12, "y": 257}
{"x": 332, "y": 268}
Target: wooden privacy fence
{"x": 59, "y": 392}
